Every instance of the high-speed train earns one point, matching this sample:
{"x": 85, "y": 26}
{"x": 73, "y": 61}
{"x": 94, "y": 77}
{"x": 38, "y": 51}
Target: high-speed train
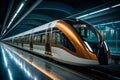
{"x": 69, "y": 41}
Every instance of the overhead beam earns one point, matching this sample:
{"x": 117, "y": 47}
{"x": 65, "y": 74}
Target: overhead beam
{"x": 97, "y": 9}
{"x": 40, "y": 16}
{"x": 31, "y": 22}
{"x": 51, "y": 5}
{"x": 25, "y": 26}
{"x": 7, "y": 15}
{"x": 31, "y": 8}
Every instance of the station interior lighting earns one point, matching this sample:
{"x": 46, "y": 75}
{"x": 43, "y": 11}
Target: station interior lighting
{"x": 98, "y": 11}
{"x": 19, "y": 9}
{"x": 115, "y": 22}
{"x": 79, "y": 17}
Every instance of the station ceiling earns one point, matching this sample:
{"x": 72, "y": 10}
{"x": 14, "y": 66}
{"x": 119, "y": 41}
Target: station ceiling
{"x": 17, "y": 16}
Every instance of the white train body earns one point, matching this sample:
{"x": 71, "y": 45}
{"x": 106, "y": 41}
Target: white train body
{"x": 67, "y": 41}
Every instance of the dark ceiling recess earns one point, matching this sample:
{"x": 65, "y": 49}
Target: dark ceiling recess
{"x": 3, "y": 7}
{"x": 49, "y": 10}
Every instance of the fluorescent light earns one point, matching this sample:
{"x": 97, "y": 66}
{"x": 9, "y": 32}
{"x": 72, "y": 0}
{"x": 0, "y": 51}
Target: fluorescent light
{"x": 93, "y": 13}
{"x": 115, "y": 5}
{"x": 9, "y": 24}
{"x": 20, "y": 8}
{"x": 15, "y": 15}
{"x": 4, "y": 31}
{"x": 98, "y": 11}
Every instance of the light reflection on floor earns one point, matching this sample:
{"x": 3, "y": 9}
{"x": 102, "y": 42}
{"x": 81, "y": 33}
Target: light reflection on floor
{"x": 21, "y": 64}
{"x": 6, "y": 64}
{"x": 24, "y": 59}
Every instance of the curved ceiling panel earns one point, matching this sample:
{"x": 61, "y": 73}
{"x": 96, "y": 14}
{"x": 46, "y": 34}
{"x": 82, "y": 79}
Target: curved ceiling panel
{"x": 55, "y": 14}
{"x": 27, "y": 26}
{"x": 52, "y": 5}
{"x": 34, "y": 14}
{"x": 40, "y": 17}
{"x": 30, "y": 21}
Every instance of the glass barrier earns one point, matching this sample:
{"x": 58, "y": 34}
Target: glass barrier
{"x": 111, "y": 33}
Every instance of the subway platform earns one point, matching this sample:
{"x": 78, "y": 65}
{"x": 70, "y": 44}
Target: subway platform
{"x": 20, "y": 65}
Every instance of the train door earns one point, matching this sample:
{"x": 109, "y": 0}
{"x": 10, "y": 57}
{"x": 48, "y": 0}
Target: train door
{"x": 31, "y": 41}
{"x": 48, "y": 42}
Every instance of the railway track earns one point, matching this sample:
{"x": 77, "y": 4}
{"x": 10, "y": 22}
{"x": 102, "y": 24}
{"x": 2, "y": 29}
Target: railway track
{"x": 107, "y": 72}
{"x": 104, "y": 72}
{"x": 98, "y": 72}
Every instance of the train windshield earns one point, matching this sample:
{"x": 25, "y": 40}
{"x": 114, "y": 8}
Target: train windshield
{"x": 86, "y": 32}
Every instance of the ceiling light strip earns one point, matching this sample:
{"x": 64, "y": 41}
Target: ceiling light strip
{"x": 98, "y": 11}
{"x": 15, "y": 15}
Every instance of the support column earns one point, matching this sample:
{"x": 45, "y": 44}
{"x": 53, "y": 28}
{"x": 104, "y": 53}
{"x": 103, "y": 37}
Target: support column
{"x": 22, "y": 42}
{"x": 31, "y": 43}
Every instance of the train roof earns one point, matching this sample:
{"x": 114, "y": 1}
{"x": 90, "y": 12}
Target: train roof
{"x": 37, "y": 29}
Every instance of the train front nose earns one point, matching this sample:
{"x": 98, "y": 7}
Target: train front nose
{"x": 102, "y": 54}
{"x": 100, "y": 50}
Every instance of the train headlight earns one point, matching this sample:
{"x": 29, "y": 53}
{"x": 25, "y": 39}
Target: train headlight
{"x": 88, "y": 46}
{"x": 106, "y": 46}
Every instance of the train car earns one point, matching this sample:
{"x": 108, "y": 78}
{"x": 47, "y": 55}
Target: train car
{"x": 68, "y": 41}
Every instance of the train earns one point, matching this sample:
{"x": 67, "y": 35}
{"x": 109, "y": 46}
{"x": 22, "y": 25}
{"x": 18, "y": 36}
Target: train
{"x": 69, "y": 41}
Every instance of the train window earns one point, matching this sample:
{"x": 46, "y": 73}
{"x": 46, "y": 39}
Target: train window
{"x": 56, "y": 38}
{"x": 86, "y": 32}
{"x": 83, "y": 32}
{"x": 26, "y": 39}
{"x": 53, "y": 38}
{"x": 12, "y": 40}
{"x": 59, "y": 38}
{"x": 38, "y": 39}
{"x": 35, "y": 38}
{"x": 31, "y": 38}
{"x": 43, "y": 38}
{"x": 91, "y": 37}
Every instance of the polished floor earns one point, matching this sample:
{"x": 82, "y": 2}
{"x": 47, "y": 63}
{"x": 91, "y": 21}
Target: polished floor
{"x": 14, "y": 68}
{"x": 17, "y": 64}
